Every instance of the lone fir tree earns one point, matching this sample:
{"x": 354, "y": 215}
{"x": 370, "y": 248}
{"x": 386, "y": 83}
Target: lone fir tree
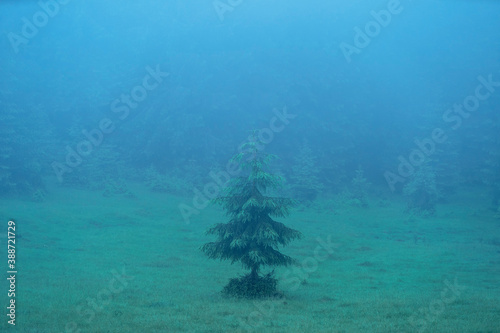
{"x": 251, "y": 236}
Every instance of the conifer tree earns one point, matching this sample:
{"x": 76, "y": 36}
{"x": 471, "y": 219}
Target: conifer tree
{"x": 251, "y": 236}
{"x": 305, "y": 182}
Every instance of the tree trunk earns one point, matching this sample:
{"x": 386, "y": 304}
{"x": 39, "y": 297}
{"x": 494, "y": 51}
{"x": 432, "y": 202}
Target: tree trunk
{"x": 253, "y": 274}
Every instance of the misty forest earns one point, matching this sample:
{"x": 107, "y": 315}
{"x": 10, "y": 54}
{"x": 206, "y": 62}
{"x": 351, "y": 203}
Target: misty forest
{"x": 340, "y": 161}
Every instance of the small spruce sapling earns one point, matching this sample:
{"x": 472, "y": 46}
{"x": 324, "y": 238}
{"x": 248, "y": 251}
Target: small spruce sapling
{"x": 305, "y": 183}
{"x": 251, "y": 236}
{"x": 359, "y": 188}
{"x": 422, "y": 192}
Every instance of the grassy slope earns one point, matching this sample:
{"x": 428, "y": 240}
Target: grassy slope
{"x": 386, "y": 268}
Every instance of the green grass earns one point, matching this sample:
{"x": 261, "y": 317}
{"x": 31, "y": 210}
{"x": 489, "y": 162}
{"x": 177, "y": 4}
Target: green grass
{"x": 386, "y": 270}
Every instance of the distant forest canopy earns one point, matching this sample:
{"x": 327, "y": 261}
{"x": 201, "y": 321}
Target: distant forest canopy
{"x": 174, "y": 99}
{"x": 180, "y": 137}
